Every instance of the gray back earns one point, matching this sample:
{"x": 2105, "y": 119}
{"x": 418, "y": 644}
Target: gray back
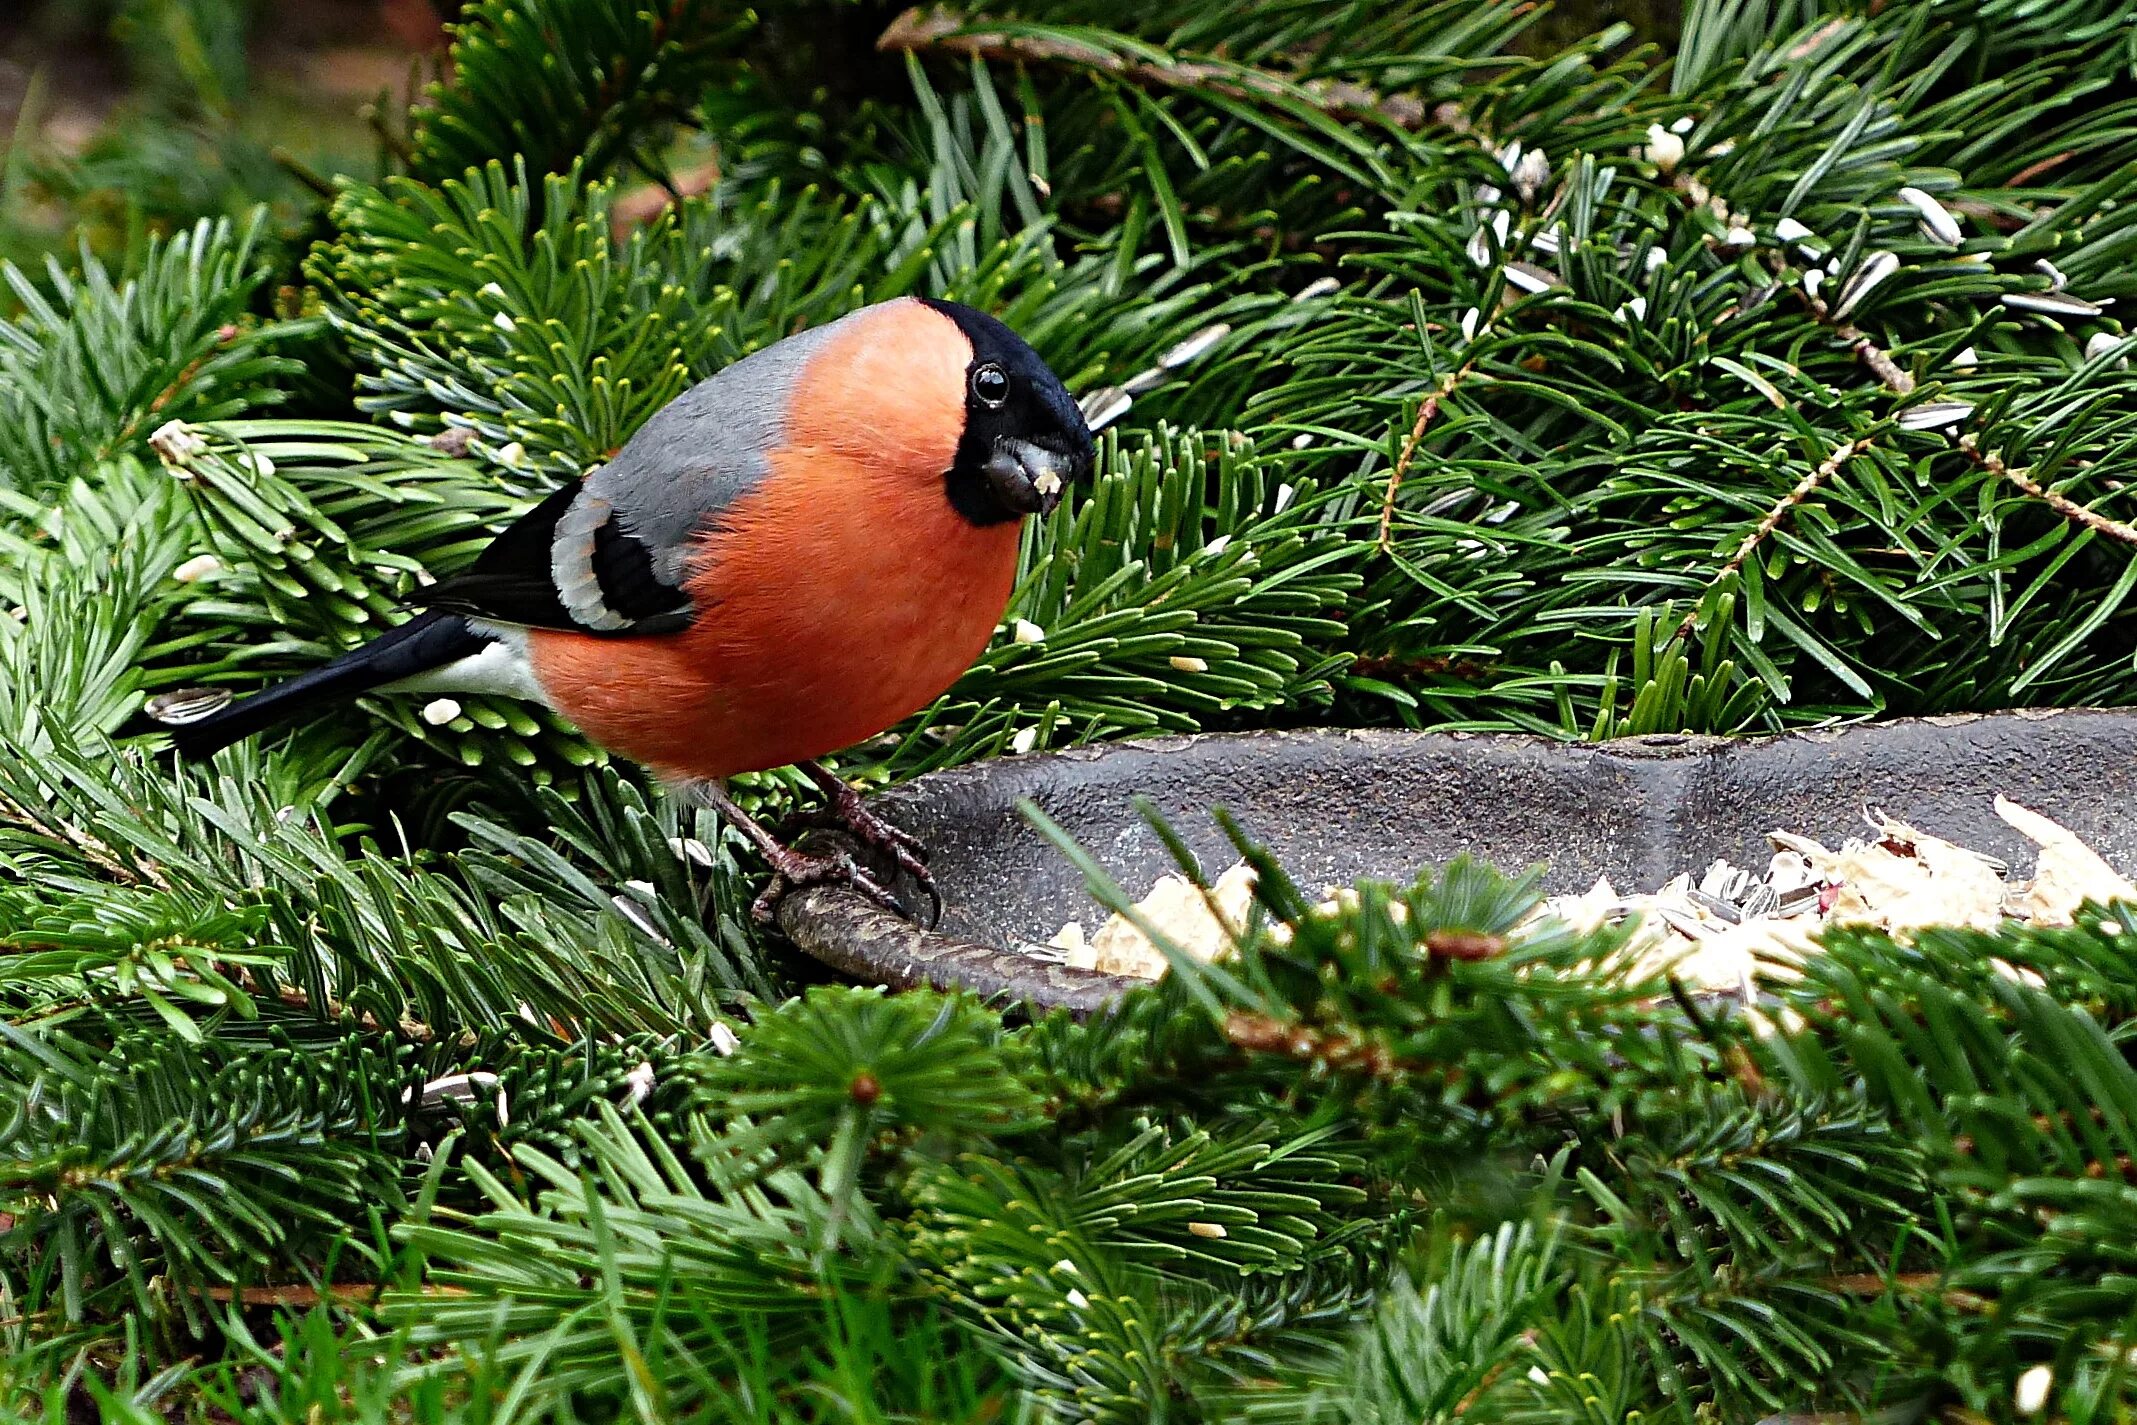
{"x": 706, "y": 448}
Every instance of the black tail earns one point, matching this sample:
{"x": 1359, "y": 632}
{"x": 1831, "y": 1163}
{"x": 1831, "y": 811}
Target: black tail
{"x": 424, "y": 642}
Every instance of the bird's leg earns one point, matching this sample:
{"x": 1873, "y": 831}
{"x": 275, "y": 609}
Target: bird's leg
{"x": 792, "y": 869}
{"x": 846, "y": 809}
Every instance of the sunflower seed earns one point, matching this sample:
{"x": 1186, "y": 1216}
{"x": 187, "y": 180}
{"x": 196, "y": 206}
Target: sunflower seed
{"x": 1529, "y": 277}
{"x": 1937, "y": 415}
{"x": 457, "y": 1088}
{"x": 1531, "y": 173}
{"x": 1938, "y": 225}
{"x": 637, "y": 1084}
{"x": 177, "y": 445}
{"x": 1489, "y": 237}
{"x": 689, "y": 848}
{"x": 184, "y": 705}
{"x": 1104, "y": 406}
{"x": 633, "y": 912}
{"x": 1194, "y": 346}
{"x": 2052, "y": 304}
{"x": 1873, "y": 270}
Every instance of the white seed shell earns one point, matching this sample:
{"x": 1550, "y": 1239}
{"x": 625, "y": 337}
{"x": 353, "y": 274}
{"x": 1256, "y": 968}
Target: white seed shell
{"x": 1936, "y": 415}
{"x": 1872, "y": 271}
{"x": 1186, "y": 351}
{"x": 1104, "y": 406}
{"x": 2051, "y": 304}
{"x": 1938, "y": 225}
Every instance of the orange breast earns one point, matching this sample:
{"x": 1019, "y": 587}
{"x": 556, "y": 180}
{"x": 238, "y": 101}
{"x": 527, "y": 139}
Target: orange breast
{"x": 840, "y": 596}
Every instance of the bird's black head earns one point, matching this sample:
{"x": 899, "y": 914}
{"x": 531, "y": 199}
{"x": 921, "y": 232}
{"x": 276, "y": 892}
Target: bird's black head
{"x": 1024, "y": 437}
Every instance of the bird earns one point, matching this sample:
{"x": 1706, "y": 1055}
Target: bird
{"x": 789, "y": 558}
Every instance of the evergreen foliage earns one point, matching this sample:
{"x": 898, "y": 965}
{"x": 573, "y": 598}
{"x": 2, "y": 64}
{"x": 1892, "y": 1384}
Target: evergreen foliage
{"x": 1462, "y": 380}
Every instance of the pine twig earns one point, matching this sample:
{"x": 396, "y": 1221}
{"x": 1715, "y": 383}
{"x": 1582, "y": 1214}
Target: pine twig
{"x": 919, "y": 30}
{"x": 2069, "y": 509}
{"x": 1425, "y": 413}
{"x": 1804, "y": 489}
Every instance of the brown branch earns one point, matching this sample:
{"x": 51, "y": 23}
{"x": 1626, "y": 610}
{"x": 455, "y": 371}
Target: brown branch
{"x": 1425, "y": 413}
{"x": 1259, "y": 1034}
{"x": 301, "y": 1298}
{"x": 95, "y": 852}
{"x": 944, "y": 30}
{"x": 1914, "y": 1283}
{"x": 1805, "y": 488}
{"x": 1868, "y": 352}
{"x": 2063, "y": 505}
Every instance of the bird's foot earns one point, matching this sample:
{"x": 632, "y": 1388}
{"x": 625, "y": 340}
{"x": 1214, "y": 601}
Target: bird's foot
{"x": 845, "y": 809}
{"x": 792, "y": 870}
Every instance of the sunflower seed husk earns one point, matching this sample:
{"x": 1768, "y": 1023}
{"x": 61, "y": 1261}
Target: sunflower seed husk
{"x": 1529, "y": 277}
{"x": 185, "y": 705}
{"x": 1873, "y": 270}
{"x": 1937, "y": 224}
{"x": 1194, "y": 346}
{"x": 2052, "y": 304}
{"x": 1489, "y": 237}
{"x": 1104, "y": 406}
{"x": 1936, "y": 415}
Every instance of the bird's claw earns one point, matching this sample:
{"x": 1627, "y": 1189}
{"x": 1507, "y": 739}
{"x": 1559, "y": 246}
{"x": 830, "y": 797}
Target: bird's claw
{"x": 846, "y": 810}
{"x": 792, "y": 870}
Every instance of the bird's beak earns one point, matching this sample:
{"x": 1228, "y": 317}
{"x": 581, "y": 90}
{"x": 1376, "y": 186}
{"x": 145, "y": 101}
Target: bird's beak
{"x": 1029, "y": 477}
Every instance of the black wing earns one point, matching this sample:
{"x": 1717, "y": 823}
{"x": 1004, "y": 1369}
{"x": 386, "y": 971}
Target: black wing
{"x": 514, "y": 580}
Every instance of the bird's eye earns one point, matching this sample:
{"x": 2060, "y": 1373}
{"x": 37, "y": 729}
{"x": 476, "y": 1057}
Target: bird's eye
{"x": 990, "y": 385}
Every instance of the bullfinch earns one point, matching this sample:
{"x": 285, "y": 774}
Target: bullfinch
{"x": 787, "y": 559}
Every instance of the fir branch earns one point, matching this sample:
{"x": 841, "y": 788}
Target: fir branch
{"x": 1809, "y": 485}
{"x": 1426, "y": 410}
{"x": 921, "y": 30}
{"x": 1992, "y": 462}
